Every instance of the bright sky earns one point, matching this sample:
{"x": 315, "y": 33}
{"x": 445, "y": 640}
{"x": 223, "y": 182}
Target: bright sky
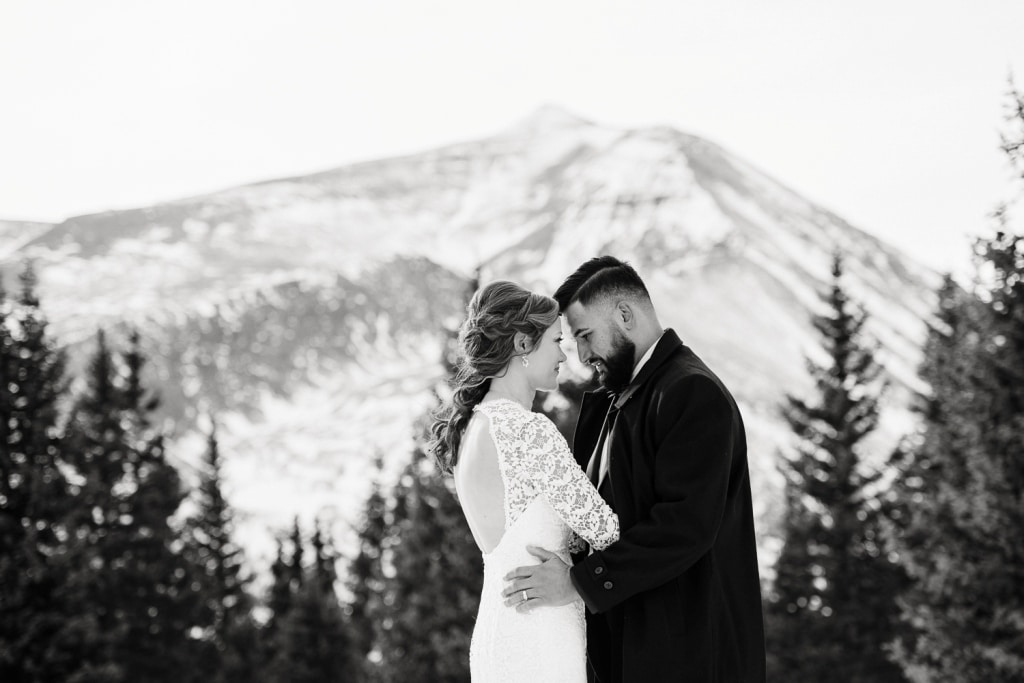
{"x": 885, "y": 111}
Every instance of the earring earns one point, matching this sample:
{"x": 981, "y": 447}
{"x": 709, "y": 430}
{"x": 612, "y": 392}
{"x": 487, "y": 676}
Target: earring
{"x": 526, "y": 361}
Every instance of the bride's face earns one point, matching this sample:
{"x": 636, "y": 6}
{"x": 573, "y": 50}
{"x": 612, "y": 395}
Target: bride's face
{"x": 546, "y": 358}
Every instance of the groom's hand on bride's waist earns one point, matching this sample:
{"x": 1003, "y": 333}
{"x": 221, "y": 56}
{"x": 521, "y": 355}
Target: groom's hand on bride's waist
{"x": 539, "y": 585}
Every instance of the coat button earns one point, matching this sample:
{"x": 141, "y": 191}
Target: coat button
{"x": 599, "y": 570}
{"x": 608, "y": 585}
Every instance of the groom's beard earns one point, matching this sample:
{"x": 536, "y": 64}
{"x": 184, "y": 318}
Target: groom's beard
{"x": 618, "y": 365}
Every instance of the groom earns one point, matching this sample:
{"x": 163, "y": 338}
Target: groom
{"x": 677, "y": 598}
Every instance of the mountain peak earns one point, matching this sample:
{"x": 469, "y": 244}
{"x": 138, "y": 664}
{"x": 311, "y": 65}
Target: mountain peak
{"x": 552, "y": 117}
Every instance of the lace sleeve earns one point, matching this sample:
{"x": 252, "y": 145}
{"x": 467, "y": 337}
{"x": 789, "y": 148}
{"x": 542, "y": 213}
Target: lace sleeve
{"x": 555, "y": 473}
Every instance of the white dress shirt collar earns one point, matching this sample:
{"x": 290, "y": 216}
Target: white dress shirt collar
{"x": 644, "y": 358}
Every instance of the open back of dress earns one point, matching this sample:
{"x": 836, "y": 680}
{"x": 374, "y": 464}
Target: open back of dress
{"x": 548, "y": 502}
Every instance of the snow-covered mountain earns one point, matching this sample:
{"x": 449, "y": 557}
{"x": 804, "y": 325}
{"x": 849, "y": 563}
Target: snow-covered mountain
{"x": 306, "y": 313}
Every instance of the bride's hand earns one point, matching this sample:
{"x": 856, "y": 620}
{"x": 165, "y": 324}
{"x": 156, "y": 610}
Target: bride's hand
{"x": 539, "y": 585}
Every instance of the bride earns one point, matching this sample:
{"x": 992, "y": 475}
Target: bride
{"x": 518, "y": 484}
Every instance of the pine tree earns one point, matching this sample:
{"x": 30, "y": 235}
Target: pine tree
{"x": 33, "y": 490}
{"x": 832, "y": 604}
{"x": 134, "y": 593}
{"x": 959, "y": 522}
{"x": 92, "y": 628}
{"x": 296, "y": 572}
{"x": 313, "y": 642}
{"x": 365, "y": 580}
{"x": 960, "y": 527}
{"x": 278, "y": 601}
{"x": 230, "y": 653}
{"x": 433, "y": 576}
{"x": 311, "y": 639}
{"x": 325, "y": 571}
{"x": 288, "y": 577}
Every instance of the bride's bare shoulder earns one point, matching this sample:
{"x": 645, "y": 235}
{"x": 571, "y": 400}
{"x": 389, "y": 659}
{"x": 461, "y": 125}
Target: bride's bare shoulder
{"x": 477, "y": 442}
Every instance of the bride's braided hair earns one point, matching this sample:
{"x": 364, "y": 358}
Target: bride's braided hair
{"x": 494, "y": 315}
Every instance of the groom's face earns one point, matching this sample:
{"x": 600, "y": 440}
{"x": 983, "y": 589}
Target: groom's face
{"x": 602, "y": 344}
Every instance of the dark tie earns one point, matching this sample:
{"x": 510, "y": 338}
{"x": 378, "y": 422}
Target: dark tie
{"x": 605, "y": 489}
{"x": 594, "y": 471}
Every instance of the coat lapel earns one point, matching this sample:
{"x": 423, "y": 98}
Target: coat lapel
{"x": 663, "y": 349}
{"x": 588, "y": 425}
{"x": 596, "y": 405}
{"x": 620, "y": 469}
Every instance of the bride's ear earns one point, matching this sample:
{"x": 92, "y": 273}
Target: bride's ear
{"x": 521, "y": 343}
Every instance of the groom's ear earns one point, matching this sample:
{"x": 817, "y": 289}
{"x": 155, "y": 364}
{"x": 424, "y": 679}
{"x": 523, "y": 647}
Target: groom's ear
{"x": 625, "y": 315}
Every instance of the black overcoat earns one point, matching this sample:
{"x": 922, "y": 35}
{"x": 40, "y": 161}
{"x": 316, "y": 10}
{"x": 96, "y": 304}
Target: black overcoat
{"x": 677, "y": 597}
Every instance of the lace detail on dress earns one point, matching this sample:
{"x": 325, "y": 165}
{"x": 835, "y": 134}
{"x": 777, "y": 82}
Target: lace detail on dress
{"x": 547, "y": 499}
{"x": 534, "y": 459}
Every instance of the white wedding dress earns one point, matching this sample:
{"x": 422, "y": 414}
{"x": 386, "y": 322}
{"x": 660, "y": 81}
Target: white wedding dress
{"x": 550, "y": 503}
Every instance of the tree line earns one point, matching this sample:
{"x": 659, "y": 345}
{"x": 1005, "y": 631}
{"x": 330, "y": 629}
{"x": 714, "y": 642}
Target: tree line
{"x": 103, "y": 578}
{"x": 912, "y": 570}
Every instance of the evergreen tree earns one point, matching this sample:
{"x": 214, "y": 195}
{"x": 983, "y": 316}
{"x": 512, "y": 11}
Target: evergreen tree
{"x": 433, "y": 576}
{"x": 230, "y": 635}
{"x": 832, "y": 604}
{"x": 365, "y": 579}
{"x": 311, "y": 638}
{"x": 287, "y": 573}
{"x": 33, "y": 490}
{"x": 959, "y": 530}
{"x": 313, "y": 642}
{"x": 325, "y": 572}
{"x": 278, "y": 601}
{"x": 134, "y": 593}
{"x": 958, "y": 525}
{"x": 296, "y": 572}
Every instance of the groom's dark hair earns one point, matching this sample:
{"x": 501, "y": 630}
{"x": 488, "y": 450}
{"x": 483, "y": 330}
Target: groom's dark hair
{"x": 599, "y": 277}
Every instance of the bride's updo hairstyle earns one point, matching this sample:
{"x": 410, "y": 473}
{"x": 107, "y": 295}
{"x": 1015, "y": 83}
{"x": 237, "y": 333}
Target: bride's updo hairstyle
{"x": 495, "y": 314}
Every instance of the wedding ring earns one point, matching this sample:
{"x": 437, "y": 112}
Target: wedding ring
{"x": 525, "y": 598}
